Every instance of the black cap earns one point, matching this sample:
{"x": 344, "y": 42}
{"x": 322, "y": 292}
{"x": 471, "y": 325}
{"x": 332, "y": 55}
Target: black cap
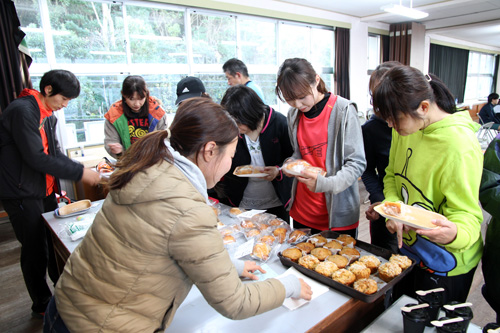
{"x": 189, "y": 87}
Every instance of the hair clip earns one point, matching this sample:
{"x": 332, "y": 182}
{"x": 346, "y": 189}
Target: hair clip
{"x": 428, "y": 77}
{"x": 169, "y": 134}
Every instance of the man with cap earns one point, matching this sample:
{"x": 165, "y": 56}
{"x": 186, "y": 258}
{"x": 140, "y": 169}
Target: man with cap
{"x": 188, "y": 87}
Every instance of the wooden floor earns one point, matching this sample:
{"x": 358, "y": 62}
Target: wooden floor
{"x": 15, "y": 313}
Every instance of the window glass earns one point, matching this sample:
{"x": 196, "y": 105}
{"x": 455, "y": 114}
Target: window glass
{"x": 213, "y": 37}
{"x": 294, "y": 41}
{"x": 479, "y": 76}
{"x": 87, "y": 32}
{"x": 156, "y": 35}
{"x": 257, "y": 41}
{"x": 373, "y": 52}
{"x": 31, "y": 25}
{"x": 322, "y": 51}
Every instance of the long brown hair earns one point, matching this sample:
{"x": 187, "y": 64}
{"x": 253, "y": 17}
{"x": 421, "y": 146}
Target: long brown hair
{"x": 135, "y": 84}
{"x": 197, "y": 121}
{"x": 295, "y": 78}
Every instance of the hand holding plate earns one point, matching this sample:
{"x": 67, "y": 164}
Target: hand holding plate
{"x": 445, "y": 233}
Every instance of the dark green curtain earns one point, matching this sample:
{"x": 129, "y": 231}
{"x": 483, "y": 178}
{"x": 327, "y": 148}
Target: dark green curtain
{"x": 450, "y": 65}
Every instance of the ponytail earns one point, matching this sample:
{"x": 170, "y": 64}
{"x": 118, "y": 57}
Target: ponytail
{"x": 143, "y": 154}
{"x": 442, "y": 95}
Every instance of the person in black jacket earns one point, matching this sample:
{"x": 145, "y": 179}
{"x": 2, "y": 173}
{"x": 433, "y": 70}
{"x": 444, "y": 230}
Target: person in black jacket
{"x": 30, "y": 164}
{"x": 263, "y": 142}
{"x": 487, "y": 113}
{"x": 377, "y": 137}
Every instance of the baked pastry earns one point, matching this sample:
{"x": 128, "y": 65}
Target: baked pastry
{"x": 216, "y": 210}
{"x": 252, "y": 233}
{"x": 267, "y": 239}
{"x": 280, "y": 233}
{"x": 344, "y": 276}
{"x": 292, "y": 253}
{"x": 317, "y": 240}
{"x": 247, "y": 224}
{"x": 295, "y": 236}
{"x": 321, "y": 253}
{"x": 366, "y": 286}
{"x": 403, "y": 261}
{"x": 339, "y": 260}
{"x": 261, "y": 250}
{"x": 235, "y": 211}
{"x": 275, "y": 222}
{"x": 263, "y": 226}
{"x": 305, "y": 246}
{"x": 228, "y": 239}
{"x": 297, "y": 165}
{"x": 389, "y": 271}
{"x": 392, "y": 208}
{"x": 243, "y": 170}
{"x": 346, "y": 239}
{"x": 309, "y": 261}
{"x": 371, "y": 262}
{"x": 334, "y": 246}
{"x": 360, "y": 270}
{"x": 351, "y": 253}
{"x": 326, "y": 268}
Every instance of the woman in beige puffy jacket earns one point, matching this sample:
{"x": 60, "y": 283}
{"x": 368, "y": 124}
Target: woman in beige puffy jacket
{"x": 155, "y": 237}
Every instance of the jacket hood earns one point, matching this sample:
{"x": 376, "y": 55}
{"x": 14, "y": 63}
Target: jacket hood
{"x": 151, "y": 185}
{"x": 461, "y": 118}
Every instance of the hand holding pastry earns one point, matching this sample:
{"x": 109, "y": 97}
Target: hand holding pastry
{"x": 249, "y": 268}
{"x": 445, "y": 234}
{"x": 272, "y": 172}
{"x": 309, "y": 179}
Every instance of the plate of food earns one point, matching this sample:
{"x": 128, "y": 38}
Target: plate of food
{"x": 295, "y": 167}
{"x": 412, "y": 216}
{"x": 249, "y": 171}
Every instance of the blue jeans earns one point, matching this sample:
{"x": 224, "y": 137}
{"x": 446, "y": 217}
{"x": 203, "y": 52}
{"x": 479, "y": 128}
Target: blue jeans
{"x": 52, "y": 321}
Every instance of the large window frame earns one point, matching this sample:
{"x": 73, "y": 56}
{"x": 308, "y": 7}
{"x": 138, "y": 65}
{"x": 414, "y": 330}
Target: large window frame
{"x": 480, "y": 76}
{"x": 168, "y": 74}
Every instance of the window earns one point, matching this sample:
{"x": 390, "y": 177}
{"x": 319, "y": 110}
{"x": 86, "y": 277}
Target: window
{"x": 479, "y": 76}
{"x": 104, "y": 41}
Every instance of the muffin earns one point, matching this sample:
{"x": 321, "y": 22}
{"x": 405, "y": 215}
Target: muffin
{"x": 334, "y": 246}
{"x": 389, "y": 271}
{"x": 309, "y": 261}
{"x": 228, "y": 239}
{"x": 263, "y": 226}
{"x": 247, "y": 224}
{"x": 351, "y": 253}
{"x": 366, "y": 286}
{"x": 267, "y": 239}
{"x": 344, "y": 276}
{"x": 235, "y": 211}
{"x": 252, "y": 233}
{"x": 280, "y": 233}
{"x": 321, "y": 253}
{"x": 317, "y": 240}
{"x": 346, "y": 239}
{"x": 371, "y": 262}
{"x": 261, "y": 250}
{"x": 295, "y": 236}
{"x": 275, "y": 222}
{"x": 305, "y": 246}
{"x": 326, "y": 268}
{"x": 339, "y": 260}
{"x": 292, "y": 253}
{"x": 403, "y": 261}
{"x": 360, "y": 270}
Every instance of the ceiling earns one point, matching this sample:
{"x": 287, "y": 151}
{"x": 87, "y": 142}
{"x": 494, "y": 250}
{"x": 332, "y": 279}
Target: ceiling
{"x": 475, "y": 21}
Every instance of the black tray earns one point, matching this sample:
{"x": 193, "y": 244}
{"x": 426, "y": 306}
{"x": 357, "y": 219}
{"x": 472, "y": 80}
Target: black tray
{"x": 378, "y": 251}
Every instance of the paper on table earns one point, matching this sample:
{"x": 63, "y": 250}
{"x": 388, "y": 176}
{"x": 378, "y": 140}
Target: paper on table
{"x": 318, "y": 289}
{"x": 249, "y": 214}
{"x": 270, "y": 273}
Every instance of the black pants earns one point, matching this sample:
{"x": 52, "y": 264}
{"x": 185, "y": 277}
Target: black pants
{"x": 380, "y": 236}
{"x": 456, "y": 288}
{"x": 280, "y": 212}
{"x": 37, "y": 253}
{"x": 352, "y": 232}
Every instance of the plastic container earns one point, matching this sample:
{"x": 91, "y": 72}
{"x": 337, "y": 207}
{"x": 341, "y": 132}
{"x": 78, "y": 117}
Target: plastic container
{"x": 414, "y": 321}
{"x": 465, "y": 312}
{"x": 435, "y": 301}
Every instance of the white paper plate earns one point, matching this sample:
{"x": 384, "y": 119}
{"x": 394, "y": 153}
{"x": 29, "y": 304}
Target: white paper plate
{"x": 412, "y": 216}
{"x": 253, "y": 175}
{"x": 80, "y": 212}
